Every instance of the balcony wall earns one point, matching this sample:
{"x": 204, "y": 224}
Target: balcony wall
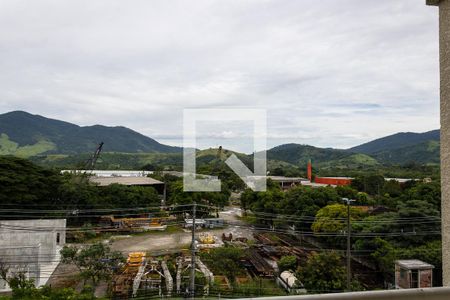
{"x": 440, "y": 293}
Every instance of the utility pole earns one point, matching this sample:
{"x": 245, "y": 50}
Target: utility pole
{"x": 193, "y": 250}
{"x": 349, "y": 228}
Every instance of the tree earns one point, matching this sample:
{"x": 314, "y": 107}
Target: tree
{"x": 224, "y": 260}
{"x": 96, "y": 262}
{"x": 287, "y": 263}
{"x": 392, "y": 188}
{"x": 332, "y": 218}
{"x": 386, "y": 253}
{"x": 324, "y": 273}
{"x": 370, "y": 184}
{"x": 129, "y": 196}
{"x": 176, "y": 195}
{"x": 23, "y": 183}
{"x": 429, "y": 192}
{"x": 346, "y": 191}
{"x": 247, "y": 198}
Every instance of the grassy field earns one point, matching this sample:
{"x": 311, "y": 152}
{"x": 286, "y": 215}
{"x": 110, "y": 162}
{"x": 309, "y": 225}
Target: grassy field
{"x": 8, "y": 147}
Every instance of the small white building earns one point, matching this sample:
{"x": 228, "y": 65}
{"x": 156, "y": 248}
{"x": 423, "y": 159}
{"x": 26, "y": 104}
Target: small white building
{"x": 31, "y": 247}
{"x": 413, "y": 274}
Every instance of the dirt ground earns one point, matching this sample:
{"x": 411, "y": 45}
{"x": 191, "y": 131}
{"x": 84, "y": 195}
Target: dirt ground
{"x": 160, "y": 242}
{"x": 155, "y": 242}
{"x": 64, "y": 276}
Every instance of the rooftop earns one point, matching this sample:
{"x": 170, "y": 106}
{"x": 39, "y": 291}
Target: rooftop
{"x": 414, "y": 264}
{"x": 290, "y": 179}
{"x": 314, "y": 184}
{"x": 105, "y": 181}
{"x": 335, "y": 177}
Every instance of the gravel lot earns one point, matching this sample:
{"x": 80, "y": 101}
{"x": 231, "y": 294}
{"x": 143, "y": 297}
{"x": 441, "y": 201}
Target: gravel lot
{"x": 160, "y": 242}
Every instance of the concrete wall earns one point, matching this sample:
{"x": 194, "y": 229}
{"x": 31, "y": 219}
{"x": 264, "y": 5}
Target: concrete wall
{"x": 409, "y": 294}
{"x": 23, "y": 259}
{"x": 27, "y": 245}
{"x": 425, "y": 278}
{"x": 444, "y": 39}
{"x": 444, "y": 53}
{"x": 34, "y": 232}
{"x": 401, "y": 278}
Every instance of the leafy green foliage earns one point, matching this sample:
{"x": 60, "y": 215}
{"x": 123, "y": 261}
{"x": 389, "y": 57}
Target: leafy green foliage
{"x": 287, "y": 263}
{"x": 26, "y": 184}
{"x": 324, "y": 272}
{"x": 96, "y": 262}
{"x": 370, "y": 184}
{"x": 24, "y": 289}
{"x": 225, "y": 261}
{"x": 300, "y": 201}
{"x": 332, "y": 218}
{"x": 176, "y": 195}
{"x": 386, "y": 254}
{"x": 114, "y": 161}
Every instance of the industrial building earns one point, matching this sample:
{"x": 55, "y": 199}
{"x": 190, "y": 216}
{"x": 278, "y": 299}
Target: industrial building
{"x": 112, "y": 173}
{"x": 159, "y": 186}
{"x": 333, "y": 181}
{"x": 288, "y": 182}
{"x": 31, "y": 247}
{"x": 123, "y": 177}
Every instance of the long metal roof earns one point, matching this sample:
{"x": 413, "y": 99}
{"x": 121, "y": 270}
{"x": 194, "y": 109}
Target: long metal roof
{"x": 104, "y": 181}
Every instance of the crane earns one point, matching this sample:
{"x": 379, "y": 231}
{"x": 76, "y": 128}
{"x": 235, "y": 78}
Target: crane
{"x": 90, "y": 163}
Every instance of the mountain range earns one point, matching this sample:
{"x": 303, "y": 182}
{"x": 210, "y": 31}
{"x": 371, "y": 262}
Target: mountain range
{"x": 48, "y": 140}
{"x": 24, "y": 134}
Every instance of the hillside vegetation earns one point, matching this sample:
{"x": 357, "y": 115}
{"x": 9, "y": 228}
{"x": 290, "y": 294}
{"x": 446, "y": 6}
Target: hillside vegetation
{"x": 26, "y": 135}
{"x": 62, "y": 144}
{"x": 396, "y": 141}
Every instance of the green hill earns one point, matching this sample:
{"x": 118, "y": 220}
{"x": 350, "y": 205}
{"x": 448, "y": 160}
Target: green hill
{"x": 422, "y": 153}
{"x": 113, "y": 161}
{"x": 300, "y": 154}
{"x": 24, "y": 134}
{"x": 396, "y": 141}
{"x": 323, "y": 158}
{"x": 404, "y": 148}
{"x": 353, "y": 161}
{"x": 63, "y": 144}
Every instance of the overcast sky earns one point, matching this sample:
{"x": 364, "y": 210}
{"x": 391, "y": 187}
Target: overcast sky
{"x": 332, "y": 73}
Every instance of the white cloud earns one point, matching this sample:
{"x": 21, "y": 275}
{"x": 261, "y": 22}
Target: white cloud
{"x": 330, "y": 73}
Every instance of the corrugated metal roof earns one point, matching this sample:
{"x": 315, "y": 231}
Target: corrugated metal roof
{"x": 413, "y": 264}
{"x": 104, "y": 181}
{"x": 287, "y": 179}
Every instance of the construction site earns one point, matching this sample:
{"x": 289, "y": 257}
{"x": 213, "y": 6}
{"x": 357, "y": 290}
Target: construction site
{"x": 171, "y": 274}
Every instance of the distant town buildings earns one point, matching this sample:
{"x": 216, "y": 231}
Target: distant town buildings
{"x": 316, "y": 181}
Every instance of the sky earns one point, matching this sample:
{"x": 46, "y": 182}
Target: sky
{"x": 329, "y": 73}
